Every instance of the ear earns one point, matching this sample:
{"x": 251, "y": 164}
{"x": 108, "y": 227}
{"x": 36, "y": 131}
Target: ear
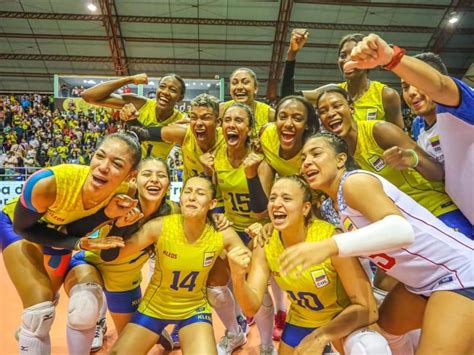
{"x": 306, "y": 208}
{"x": 132, "y": 176}
{"x": 213, "y": 204}
{"x": 341, "y": 159}
{"x": 256, "y": 88}
{"x": 351, "y": 107}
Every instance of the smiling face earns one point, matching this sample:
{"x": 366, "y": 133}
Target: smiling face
{"x": 110, "y": 165}
{"x": 335, "y": 113}
{"x": 286, "y": 205}
{"x": 169, "y": 93}
{"x": 197, "y": 198}
{"x": 203, "y": 123}
{"x": 243, "y": 87}
{"x": 417, "y": 100}
{"x": 236, "y": 126}
{"x": 320, "y": 163}
{"x": 344, "y": 56}
{"x": 152, "y": 180}
{"x": 291, "y": 120}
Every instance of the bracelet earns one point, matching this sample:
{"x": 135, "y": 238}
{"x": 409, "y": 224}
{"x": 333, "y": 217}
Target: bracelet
{"x": 415, "y": 157}
{"x": 397, "y": 56}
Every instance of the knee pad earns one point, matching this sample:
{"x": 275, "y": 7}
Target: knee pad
{"x": 366, "y": 342}
{"x": 220, "y": 296}
{"x": 405, "y": 344}
{"x": 36, "y": 320}
{"x": 85, "y": 301}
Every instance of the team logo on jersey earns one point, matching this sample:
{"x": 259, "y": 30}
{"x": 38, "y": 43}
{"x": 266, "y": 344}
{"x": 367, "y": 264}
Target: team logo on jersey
{"x": 371, "y": 114}
{"x": 434, "y": 141}
{"x": 320, "y": 278}
{"x": 377, "y": 162}
{"x": 208, "y": 258}
{"x": 349, "y": 225}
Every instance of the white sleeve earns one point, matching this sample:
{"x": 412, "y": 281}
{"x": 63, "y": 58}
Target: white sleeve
{"x": 391, "y": 233}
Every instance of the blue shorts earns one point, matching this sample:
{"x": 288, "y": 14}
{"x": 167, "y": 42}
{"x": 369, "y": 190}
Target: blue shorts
{"x": 123, "y": 302}
{"x": 293, "y": 334}
{"x": 7, "y": 235}
{"x": 457, "y": 221}
{"x": 156, "y": 325}
{"x": 466, "y": 292}
{"x": 244, "y": 237}
{"x": 78, "y": 259}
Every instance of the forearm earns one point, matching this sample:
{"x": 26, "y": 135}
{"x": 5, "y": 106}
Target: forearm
{"x": 100, "y": 92}
{"x": 351, "y": 318}
{"x": 88, "y": 224}
{"x": 246, "y": 296}
{"x": 288, "y": 81}
{"x": 41, "y": 234}
{"x": 429, "y": 167}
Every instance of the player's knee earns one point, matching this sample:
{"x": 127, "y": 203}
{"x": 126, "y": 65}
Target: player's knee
{"x": 267, "y": 304}
{"x": 366, "y": 342}
{"x": 220, "y": 296}
{"x": 36, "y": 320}
{"x": 85, "y": 301}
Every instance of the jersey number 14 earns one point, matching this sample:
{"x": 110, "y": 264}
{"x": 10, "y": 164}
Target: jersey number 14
{"x": 188, "y": 281}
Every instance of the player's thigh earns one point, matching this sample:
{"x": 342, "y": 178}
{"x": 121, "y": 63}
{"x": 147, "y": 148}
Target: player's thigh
{"x": 120, "y": 320}
{"x": 285, "y": 349}
{"x": 447, "y": 324}
{"x": 198, "y": 338}
{"x": 24, "y": 263}
{"x": 401, "y": 311}
{"x": 134, "y": 339}
{"x": 83, "y": 273}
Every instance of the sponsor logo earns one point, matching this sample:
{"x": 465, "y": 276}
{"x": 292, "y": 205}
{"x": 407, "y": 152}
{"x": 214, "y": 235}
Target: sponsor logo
{"x": 434, "y": 141}
{"x": 445, "y": 280}
{"x": 377, "y": 162}
{"x": 320, "y": 278}
{"x": 349, "y": 225}
{"x": 170, "y": 254}
{"x": 208, "y": 259}
{"x": 371, "y": 114}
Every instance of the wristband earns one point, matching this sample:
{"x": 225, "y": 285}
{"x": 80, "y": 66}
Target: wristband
{"x": 258, "y": 200}
{"x": 397, "y": 56}
{"x": 415, "y": 158}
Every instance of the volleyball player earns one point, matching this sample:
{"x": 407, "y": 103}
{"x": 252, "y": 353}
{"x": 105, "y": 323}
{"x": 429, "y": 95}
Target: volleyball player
{"x": 432, "y": 262}
{"x": 154, "y": 113}
{"x": 188, "y": 245}
{"x": 330, "y": 302}
{"x": 372, "y": 99}
{"x": 58, "y": 196}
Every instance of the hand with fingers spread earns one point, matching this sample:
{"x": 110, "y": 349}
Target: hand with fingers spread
{"x": 207, "y": 162}
{"x": 301, "y": 256}
{"x": 119, "y": 206}
{"x": 251, "y": 163}
{"x": 221, "y": 221}
{"x": 369, "y": 53}
{"x": 239, "y": 261}
{"x": 87, "y": 243}
{"x": 313, "y": 343}
{"x": 299, "y": 37}
{"x": 129, "y": 112}
{"x": 400, "y": 158}
{"x": 139, "y": 79}
{"x": 133, "y": 216}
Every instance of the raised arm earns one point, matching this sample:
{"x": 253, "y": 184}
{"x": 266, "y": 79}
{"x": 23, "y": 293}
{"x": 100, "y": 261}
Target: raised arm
{"x": 393, "y": 107}
{"x": 373, "y": 51}
{"x": 103, "y": 94}
{"x": 401, "y": 152}
{"x": 249, "y": 290}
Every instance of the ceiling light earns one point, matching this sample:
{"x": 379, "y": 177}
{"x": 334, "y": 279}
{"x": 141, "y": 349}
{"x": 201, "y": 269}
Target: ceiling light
{"x": 453, "y": 20}
{"x": 152, "y": 83}
{"x": 92, "y": 7}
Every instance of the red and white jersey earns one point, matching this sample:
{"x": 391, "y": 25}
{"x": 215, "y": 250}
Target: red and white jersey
{"x": 439, "y": 258}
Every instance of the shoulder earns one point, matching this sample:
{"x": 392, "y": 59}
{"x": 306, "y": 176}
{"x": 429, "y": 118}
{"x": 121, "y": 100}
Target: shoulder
{"x": 321, "y": 229}
{"x": 358, "y": 185}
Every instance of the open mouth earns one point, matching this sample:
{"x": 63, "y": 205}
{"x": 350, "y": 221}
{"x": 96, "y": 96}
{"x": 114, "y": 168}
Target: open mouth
{"x": 311, "y": 174}
{"x": 239, "y": 96}
{"x": 200, "y": 134}
{"x": 232, "y": 138}
{"x": 287, "y": 137}
{"x": 98, "y": 180}
{"x": 163, "y": 100}
{"x": 418, "y": 104}
{"x": 153, "y": 190}
{"x": 335, "y": 125}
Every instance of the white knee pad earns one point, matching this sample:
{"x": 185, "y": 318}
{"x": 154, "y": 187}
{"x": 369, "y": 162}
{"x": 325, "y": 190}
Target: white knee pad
{"x": 366, "y": 342}
{"x": 36, "y": 320}
{"x": 405, "y": 344}
{"x": 85, "y": 301}
{"x": 220, "y": 296}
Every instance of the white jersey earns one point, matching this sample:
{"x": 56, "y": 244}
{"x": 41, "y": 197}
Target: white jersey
{"x": 439, "y": 258}
{"x": 428, "y": 140}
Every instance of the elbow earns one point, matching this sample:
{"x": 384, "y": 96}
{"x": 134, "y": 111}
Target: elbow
{"x": 405, "y": 233}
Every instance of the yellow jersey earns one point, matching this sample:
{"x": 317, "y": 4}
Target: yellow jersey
{"x": 177, "y": 289}
{"x": 270, "y": 144}
{"x": 9, "y": 208}
{"x": 370, "y": 105}
{"x": 122, "y": 274}
{"x": 235, "y": 192}
{"x": 317, "y": 295}
{"x": 68, "y": 207}
{"x": 260, "y": 114}
{"x": 429, "y": 194}
{"x": 147, "y": 117}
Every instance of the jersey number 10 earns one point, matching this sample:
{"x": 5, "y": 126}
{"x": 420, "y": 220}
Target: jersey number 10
{"x": 188, "y": 281}
{"x": 306, "y": 300}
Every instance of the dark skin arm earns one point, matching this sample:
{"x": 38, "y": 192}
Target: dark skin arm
{"x": 392, "y": 106}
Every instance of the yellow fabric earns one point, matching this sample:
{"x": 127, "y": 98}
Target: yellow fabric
{"x": 68, "y": 205}
{"x": 370, "y": 105}
{"x": 260, "y": 114}
{"x": 178, "y": 287}
{"x": 317, "y": 295}
{"x": 147, "y": 117}
{"x": 235, "y": 192}
{"x": 124, "y": 274}
{"x": 429, "y": 194}
{"x": 271, "y": 146}
{"x": 9, "y": 208}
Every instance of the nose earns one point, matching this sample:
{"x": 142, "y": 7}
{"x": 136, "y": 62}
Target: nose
{"x": 306, "y": 162}
{"x": 104, "y": 167}
{"x": 288, "y": 123}
{"x": 412, "y": 91}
